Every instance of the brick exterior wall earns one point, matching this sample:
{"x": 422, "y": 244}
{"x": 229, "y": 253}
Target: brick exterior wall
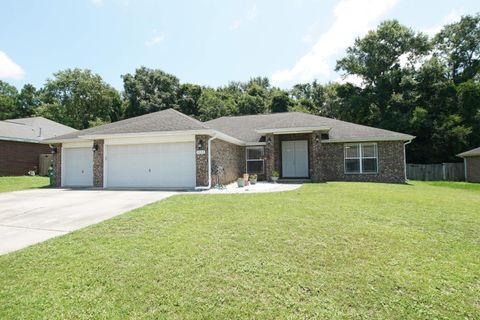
{"x": 98, "y": 164}
{"x": 326, "y": 160}
{"x": 231, "y": 158}
{"x": 391, "y": 163}
{"x": 201, "y": 160}
{"x": 17, "y": 158}
{"x": 473, "y": 169}
{"x": 57, "y": 166}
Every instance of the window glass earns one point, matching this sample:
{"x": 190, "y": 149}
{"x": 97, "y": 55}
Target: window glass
{"x": 368, "y": 151}
{"x": 369, "y": 165}
{"x": 254, "y": 153}
{"x": 255, "y": 166}
{"x": 352, "y": 165}
{"x": 352, "y": 151}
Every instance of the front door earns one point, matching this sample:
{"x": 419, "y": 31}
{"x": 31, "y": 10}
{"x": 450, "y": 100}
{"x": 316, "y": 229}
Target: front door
{"x": 295, "y": 159}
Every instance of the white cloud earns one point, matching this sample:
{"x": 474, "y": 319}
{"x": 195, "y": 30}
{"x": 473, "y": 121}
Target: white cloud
{"x": 451, "y": 17}
{"x": 155, "y": 40}
{"x": 9, "y": 69}
{"x": 353, "y": 18}
{"x": 98, "y": 3}
{"x": 250, "y": 16}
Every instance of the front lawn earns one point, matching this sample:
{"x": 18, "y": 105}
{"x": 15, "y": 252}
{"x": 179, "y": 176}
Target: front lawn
{"x": 8, "y": 184}
{"x": 336, "y": 250}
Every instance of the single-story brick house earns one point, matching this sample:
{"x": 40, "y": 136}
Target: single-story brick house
{"x": 471, "y": 159}
{"x": 168, "y": 149}
{"x": 20, "y": 143}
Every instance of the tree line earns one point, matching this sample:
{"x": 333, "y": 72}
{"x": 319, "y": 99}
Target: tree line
{"x": 405, "y": 81}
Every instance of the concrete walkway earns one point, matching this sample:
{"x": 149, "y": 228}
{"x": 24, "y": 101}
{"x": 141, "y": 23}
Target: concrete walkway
{"x": 256, "y": 188}
{"x": 32, "y": 216}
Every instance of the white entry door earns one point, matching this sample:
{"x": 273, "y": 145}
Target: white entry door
{"x": 295, "y": 159}
{"x": 151, "y": 165}
{"x": 78, "y": 167}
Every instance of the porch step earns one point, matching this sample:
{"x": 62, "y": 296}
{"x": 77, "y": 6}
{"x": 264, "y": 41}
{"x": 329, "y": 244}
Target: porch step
{"x": 295, "y": 181}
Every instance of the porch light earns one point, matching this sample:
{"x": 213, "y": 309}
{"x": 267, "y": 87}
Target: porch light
{"x": 200, "y": 144}
{"x": 53, "y": 150}
{"x": 95, "y": 147}
{"x": 317, "y": 138}
{"x": 269, "y": 140}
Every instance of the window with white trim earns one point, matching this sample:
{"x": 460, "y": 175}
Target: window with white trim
{"x": 361, "y": 158}
{"x": 255, "y": 159}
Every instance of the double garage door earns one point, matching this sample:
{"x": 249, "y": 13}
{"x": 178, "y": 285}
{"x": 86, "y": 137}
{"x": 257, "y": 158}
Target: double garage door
{"x": 152, "y": 165}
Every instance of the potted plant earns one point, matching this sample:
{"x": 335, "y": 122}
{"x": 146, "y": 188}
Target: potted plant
{"x": 241, "y": 182}
{"x": 275, "y": 176}
{"x": 253, "y": 178}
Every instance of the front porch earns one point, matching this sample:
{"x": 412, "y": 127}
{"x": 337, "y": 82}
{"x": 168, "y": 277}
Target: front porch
{"x": 295, "y": 156}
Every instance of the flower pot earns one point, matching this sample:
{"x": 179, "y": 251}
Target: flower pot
{"x": 253, "y": 181}
{"x": 240, "y": 183}
{"x": 245, "y": 176}
{"x": 274, "y": 179}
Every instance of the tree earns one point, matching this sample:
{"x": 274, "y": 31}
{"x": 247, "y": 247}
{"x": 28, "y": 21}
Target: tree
{"x": 459, "y": 45}
{"x": 250, "y": 104}
{"x": 280, "y": 102}
{"x": 213, "y": 104}
{"x": 8, "y": 100}
{"x": 78, "y": 98}
{"x": 27, "y": 102}
{"x": 188, "y": 96}
{"x": 149, "y": 90}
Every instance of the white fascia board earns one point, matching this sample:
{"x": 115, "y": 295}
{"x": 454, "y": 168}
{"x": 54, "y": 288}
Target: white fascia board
{"x": 53, "y": 141}
{"x": 78, "y": 144}
{"x": 226, "y": 137}
{"x": 145, "y": 134}
{"x": 19, "y": 140}
{"x": 253, "y": 144}
{"x": 293, "y": 130}
{"x": 370, "y": 139}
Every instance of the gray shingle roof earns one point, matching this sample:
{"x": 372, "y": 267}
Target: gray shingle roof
{"x": 165, "y": 120}
{"x": 244, "y": 127}
{"x": 470, "y": 153}
{"x": 34, "y": 129}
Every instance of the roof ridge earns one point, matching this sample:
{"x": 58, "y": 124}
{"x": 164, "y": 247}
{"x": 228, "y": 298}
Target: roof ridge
{"x": 189, "y": 117}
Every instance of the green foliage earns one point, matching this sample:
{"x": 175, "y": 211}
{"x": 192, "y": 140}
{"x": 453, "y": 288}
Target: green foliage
{"x": 458, "y": 44}
{"x": 8, "y": 100}
{"x": 27, "y": 102}
{"x": 149, "y": 90}
{"x": 78, "y": 97}
{"x": 280, "y": 102}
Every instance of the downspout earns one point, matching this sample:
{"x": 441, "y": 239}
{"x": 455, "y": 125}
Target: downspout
{"x": 405, "y": 158}
{"x": 209, "y": 144}
{"x": 465, "y": 169}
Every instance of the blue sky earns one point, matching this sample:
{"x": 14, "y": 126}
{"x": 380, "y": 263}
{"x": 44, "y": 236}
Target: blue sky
{"x": 204, "y": 42}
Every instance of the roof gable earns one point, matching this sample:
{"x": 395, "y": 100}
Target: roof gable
{"x": 470, "y": 153}
{"x": 161, "y": 121}
{"x": 33, "y": 129}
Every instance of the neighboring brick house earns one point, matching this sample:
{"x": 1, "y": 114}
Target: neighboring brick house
{"x": 20, "y": 143}
{"x": 168, "y": 149}
{"x": 471, "y": 160}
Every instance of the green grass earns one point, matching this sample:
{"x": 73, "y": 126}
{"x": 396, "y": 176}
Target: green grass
{"x": 454, "y": 185}
{"x": 336, "y": 250}
{"x": 8, "y": 184}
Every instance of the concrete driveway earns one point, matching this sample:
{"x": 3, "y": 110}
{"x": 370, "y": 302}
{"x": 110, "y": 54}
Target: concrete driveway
{"x": 32, "y": 216}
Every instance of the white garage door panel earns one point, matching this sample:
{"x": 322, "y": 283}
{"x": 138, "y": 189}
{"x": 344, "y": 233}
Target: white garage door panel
{"x": 78, "y": 167}
{"x": 160, "y": 165}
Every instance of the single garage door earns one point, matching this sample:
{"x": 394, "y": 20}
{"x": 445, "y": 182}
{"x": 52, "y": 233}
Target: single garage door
{"x": 78, "y": 167}
{"x": 155, "y": 165}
